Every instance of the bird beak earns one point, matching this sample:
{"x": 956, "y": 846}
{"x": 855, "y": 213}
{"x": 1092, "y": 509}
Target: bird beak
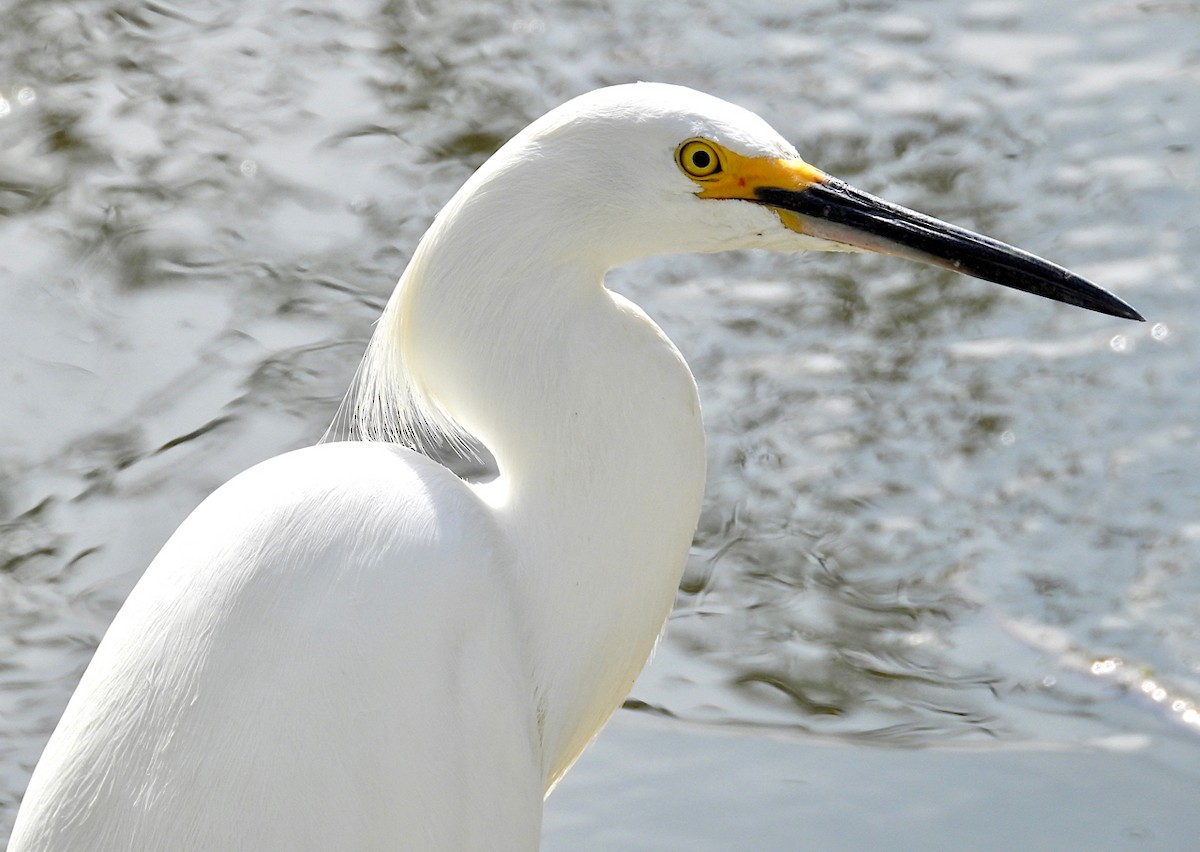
{"x": 812, "y": 203}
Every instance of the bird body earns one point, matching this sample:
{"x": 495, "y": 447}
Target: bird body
{"x": 338, "y": 615}
{"x": 256, "y": 650}
{"x": 348, "y": 647}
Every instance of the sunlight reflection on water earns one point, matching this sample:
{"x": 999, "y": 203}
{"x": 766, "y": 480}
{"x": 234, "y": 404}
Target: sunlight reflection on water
{"x": 206, "y": 207}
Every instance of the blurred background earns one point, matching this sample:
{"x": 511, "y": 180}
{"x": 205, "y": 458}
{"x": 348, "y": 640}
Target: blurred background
{"x": 945, "y": 589}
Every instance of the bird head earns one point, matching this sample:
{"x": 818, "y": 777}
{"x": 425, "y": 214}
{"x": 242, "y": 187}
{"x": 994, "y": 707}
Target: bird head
{"x": 648, "y": 168}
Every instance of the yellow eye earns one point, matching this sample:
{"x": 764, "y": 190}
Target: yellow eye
{"x": 698, "y": 158}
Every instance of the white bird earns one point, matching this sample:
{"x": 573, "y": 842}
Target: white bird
{"x": 347, "y": 647}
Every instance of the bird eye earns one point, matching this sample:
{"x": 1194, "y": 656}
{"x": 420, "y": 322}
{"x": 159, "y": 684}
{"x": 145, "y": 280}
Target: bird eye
{"x": 698, "y": 158}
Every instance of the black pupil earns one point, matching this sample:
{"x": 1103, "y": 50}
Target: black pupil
{"x": 700, "y": 159}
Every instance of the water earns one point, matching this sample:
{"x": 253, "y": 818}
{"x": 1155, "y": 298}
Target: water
{"x": 945, "y": 588}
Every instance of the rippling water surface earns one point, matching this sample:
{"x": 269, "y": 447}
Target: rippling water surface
{"x": 945, "y": 588}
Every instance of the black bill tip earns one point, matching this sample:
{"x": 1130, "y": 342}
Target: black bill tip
{"x": 835, "y": 211}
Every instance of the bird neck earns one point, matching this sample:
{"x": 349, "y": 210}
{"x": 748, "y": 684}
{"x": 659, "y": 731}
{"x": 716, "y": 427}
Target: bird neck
{"x": 594, "y": 421}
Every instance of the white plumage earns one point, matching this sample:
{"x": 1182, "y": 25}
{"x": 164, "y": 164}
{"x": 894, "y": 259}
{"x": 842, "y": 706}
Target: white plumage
{"x": 347, "y": 647}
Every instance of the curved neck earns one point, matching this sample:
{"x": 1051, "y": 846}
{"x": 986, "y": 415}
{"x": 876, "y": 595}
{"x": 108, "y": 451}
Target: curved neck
{"x": 594, "y": 421}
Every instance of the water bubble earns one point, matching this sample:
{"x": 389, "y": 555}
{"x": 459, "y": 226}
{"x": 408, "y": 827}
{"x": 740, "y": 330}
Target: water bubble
{"x": 1119, "y": 343}
{"x": 26, "y": 96}
{"x": 1007, "y": 438}
{"x": 1049, "y": 681}
{"x": 919, "y": 637}
{"x": 1160, "y": 331}
{"x": 5, "y": 107}
{"x": 532, "y": 26}
{"x": 248, "y": 168}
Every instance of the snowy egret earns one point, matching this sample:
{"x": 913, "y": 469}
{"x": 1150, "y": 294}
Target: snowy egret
{"x": 347, "y": 647}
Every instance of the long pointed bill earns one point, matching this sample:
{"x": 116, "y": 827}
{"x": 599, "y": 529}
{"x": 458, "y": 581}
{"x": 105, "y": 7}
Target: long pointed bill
{"x": 813, "y": 203}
